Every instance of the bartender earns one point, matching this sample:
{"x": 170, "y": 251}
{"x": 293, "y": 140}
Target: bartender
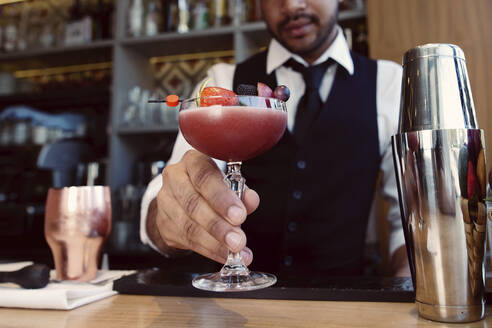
{"x": 308, "y": 202}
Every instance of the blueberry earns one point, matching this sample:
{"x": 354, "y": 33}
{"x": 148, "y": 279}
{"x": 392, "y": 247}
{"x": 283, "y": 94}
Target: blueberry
{"x": 282, "y": 93}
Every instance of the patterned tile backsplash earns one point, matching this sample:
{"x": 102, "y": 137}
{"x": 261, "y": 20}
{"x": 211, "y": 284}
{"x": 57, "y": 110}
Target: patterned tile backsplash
{"x": 181, "y": 77}
{"x": 177, "y": 77}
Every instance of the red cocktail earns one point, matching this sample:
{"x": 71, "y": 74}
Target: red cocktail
{"x": 234, "y": 129}
{"x": 232, "y": 133}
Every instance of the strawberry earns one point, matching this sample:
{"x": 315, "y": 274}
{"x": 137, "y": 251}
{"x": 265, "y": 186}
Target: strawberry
{"x": 218, "y": 96}
{"x": 264, "y": 90}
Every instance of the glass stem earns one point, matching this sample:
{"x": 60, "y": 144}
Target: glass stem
{"x": 234, "y": 264}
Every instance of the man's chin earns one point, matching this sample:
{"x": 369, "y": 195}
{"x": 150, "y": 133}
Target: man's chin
{"x": 298, "y": 46}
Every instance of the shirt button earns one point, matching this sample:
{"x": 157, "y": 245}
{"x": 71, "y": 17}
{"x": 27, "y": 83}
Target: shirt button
{"x": 288, "y": 260}
{"x": 301, "y": 165}
{"x": 292, "y": 226}
{"x": 297, "y": 194}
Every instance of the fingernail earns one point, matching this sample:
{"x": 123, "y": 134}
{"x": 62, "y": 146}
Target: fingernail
{"x": 235, "y": 214}
{"x": 245, "y": 255}
{"x": 233, "y": 239}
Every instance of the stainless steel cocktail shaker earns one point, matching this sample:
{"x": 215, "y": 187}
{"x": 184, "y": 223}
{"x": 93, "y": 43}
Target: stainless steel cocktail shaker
{"x": 439, "y": 156}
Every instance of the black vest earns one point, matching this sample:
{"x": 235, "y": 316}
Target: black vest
{"x": 316, "y": 197}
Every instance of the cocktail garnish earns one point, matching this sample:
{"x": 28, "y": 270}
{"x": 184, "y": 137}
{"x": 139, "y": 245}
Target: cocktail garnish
{"x": 282, "y": 93}
{"x": 199, "y": 92}
{"x": 218, "y": 96}
{"x": 172, "y": 100}
{"x": 264, "y": 90}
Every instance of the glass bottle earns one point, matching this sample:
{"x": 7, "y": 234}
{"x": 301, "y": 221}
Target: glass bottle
{"x": 22, "y": 33}
{"x": 183, "y": 16}
{"x": 47, "y": 36}
{"x": 172, "y": 15}
{"x": 35, "y": 27}
{"x": 2, "y": 26}
{"x": 200, "y": 15}
{"x": 88, "y": 23}
{"x": 153, "y": 19}
{"x": 220, "y": 12}
{"x": 11, "y": 29}
{"x": 107, "y": 19}
{"x": 135, "y": 18}
{"x": 98, "y": 20}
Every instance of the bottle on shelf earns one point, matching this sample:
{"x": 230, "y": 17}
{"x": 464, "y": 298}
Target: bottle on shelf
{"x": 200, "y": 17}
{"x": 2, "y": 26}
{"x": 11, "y": 28}
{"x": 250, "y": 11}
{"x": 347, "y": 32}
{"x": 183, "y": 16}
{"x": 34, "y": 30}
{"x": 153, "y": 18}
{"x": 220, "y": 13}
{"x": 47, "y": 36}
{"x": 135, "y": 18}
{"x": 172, "y": 16}
{"x": 108, "y": 19}
{"x": 101, "y": 12}
{"x": 79, "y": 25}
{"x": 361, "y": 44}
{"x": 24, "y": 20}
{"x": 98, "y": 19}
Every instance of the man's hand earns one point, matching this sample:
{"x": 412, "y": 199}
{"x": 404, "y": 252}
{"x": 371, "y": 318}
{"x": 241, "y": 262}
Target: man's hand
{"x": 399, "y": 263}
{"x": 195, "y": 210}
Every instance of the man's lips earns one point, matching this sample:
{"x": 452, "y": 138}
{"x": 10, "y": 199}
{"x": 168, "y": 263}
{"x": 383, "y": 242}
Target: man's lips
{"x": 298, "y": 28}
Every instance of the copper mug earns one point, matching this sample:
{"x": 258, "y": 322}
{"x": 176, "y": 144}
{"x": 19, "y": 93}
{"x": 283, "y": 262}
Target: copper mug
{"x": 77, "y": 222}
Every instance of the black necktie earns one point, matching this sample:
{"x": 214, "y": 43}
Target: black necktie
{"x": 310, "y": 103}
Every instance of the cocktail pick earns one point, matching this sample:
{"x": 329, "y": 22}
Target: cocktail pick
{"x": 32, "y": 276}
{"x": 171, "y": 100}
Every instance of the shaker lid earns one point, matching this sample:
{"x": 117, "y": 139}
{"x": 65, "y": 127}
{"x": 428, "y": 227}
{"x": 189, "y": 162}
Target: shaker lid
{"x": 433, "y": 50}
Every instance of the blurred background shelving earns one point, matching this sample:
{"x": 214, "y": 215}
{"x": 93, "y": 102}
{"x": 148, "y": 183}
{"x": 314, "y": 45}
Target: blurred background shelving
{"x": 102, "y": 60}
{"x": 98, "y": 61}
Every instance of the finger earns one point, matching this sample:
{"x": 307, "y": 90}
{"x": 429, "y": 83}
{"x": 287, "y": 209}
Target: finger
{"x": 171, "y": 231}
{"x": 247, "y": 256}
{"x": 199, "y": 212}
{"x": 212, "y": 251}
{"x": 183, "y": 232}
{"x": 251, "y": 200}
{"x": 208, "y": 181}
{"x": 197, "y": 209}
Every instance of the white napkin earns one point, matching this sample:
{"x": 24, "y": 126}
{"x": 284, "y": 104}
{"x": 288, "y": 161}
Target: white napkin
{"x": 64, "y": 295}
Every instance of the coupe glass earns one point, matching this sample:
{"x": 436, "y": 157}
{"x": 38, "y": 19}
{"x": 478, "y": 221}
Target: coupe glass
{"x": 233, "y": 129}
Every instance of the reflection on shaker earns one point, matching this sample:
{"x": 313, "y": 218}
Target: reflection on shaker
{"x": 474, "y": 210}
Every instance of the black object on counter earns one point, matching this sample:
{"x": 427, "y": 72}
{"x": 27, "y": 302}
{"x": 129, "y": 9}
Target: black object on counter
{"x": 32, "y": 276}
{"x": 161, "y": 282}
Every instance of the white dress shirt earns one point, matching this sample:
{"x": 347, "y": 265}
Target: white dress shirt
{"x": 387, "y": 101}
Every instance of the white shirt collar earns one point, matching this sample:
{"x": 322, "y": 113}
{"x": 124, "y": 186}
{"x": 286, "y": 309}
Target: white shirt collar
{"x": 338, "y": 51}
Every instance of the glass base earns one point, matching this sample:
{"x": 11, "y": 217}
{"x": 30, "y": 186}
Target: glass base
{"x": 218, "y": 282}
{"x": 234, "y": 275}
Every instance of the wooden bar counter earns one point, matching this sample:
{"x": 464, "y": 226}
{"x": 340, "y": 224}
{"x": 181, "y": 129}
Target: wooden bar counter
{"x": 163, "y": 311}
